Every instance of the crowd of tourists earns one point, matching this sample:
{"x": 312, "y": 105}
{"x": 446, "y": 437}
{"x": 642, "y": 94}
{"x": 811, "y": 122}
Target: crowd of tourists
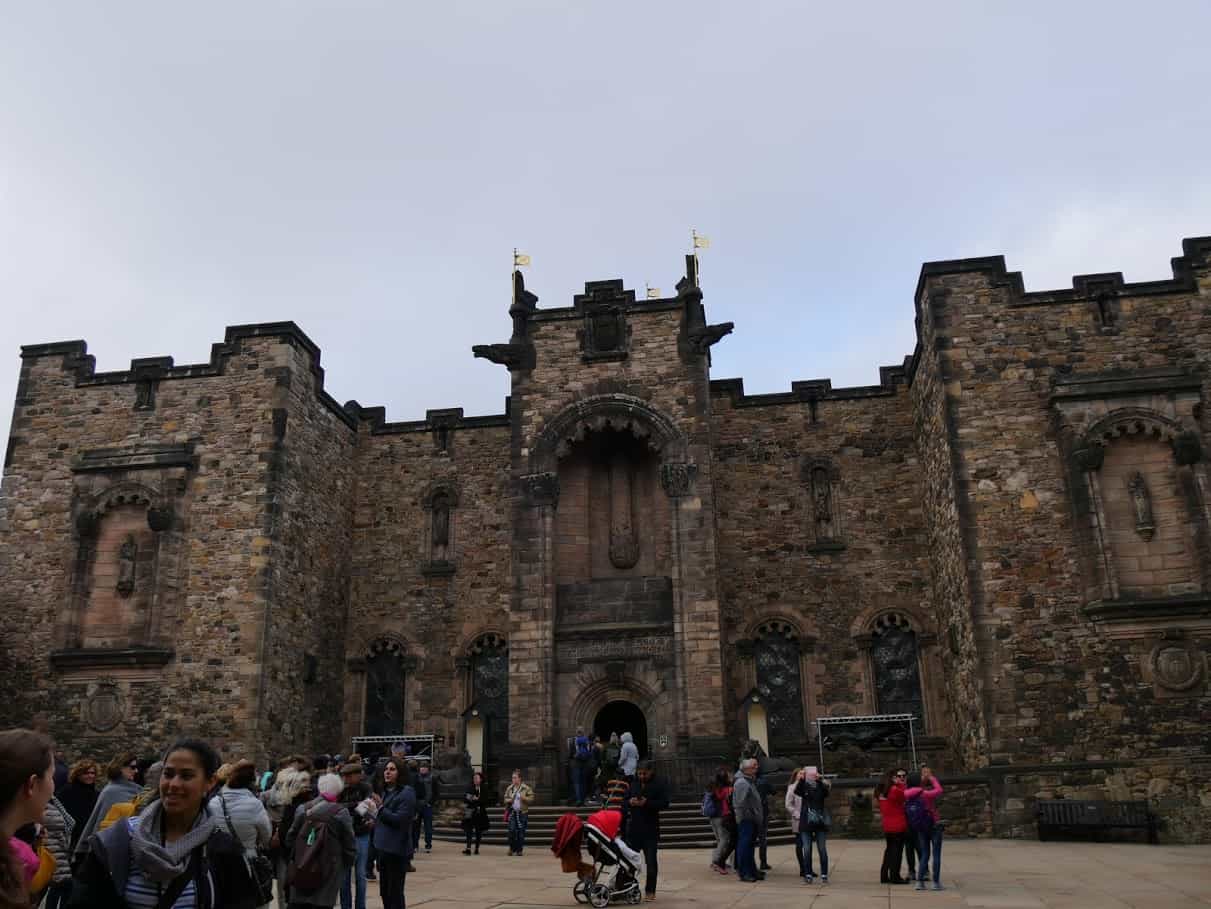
{"x": 186, "y": 831}
{"x": 738, "y": 807}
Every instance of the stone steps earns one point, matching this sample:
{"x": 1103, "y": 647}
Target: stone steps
{"x": 682, "y": 826}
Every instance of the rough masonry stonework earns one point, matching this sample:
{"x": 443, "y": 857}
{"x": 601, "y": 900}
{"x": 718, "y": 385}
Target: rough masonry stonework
{"x": 1008, "y": 538}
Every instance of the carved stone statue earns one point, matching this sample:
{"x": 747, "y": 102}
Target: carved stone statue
{"x": 624, "y": 542}
{"x": 441, "y": 527}
{"x": 1141, "y": 501}
{"x": 822, "y": 503}
{"x": 126, "y": 566}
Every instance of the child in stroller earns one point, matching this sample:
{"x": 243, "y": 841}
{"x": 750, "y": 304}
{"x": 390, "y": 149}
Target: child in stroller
{"x": 616, "y": 866}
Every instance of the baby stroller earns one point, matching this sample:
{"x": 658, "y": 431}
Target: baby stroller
{"x": 615, "y": 877}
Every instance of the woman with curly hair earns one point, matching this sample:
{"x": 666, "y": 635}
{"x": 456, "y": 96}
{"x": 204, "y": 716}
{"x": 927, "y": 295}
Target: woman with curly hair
{"x": 27, "y": 782}
{"x": 121, "y": 787}
{"x": 80, "y": 794}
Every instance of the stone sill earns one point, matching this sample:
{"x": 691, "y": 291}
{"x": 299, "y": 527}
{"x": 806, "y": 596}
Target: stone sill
{"x": 99, "y": 657}
{"x": 827, "y": 546}
{"x": 438, "y": 570}
{"x": 1158, "y": 610}
{"x": 605, "y": 356}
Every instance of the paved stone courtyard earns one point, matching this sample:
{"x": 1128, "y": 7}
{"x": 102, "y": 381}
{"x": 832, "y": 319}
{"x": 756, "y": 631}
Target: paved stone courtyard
{"x": 993, "y": 874}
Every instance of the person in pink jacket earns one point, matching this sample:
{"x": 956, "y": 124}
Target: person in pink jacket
{"x": 928, "y": 829}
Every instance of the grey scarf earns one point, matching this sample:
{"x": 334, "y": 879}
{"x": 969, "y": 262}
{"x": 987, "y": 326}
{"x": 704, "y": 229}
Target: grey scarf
{"x": 165, "y": 863}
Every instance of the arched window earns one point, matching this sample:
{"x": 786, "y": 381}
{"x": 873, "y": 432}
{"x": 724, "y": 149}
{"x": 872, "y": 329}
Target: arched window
{"x": 385, "y": 678}
{"x": 896, "y": 667}
{"x": 490, "y": 683}
{"x": 776, "y": 656}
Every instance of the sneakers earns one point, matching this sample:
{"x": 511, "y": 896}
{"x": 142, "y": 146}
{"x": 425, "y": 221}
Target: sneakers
{"x": 809, "y": 878}
{"x": 937, "y": 885}
{"x": 720, "y": 868}
{"x": 824, "y": 879}
{"x": 920, "y": 885}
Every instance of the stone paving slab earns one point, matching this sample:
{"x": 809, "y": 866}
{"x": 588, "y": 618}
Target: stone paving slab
{"x": 981, "y": 874}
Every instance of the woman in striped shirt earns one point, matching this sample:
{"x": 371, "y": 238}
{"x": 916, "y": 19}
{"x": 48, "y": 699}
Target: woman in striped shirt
{"x": 174, "y": 855}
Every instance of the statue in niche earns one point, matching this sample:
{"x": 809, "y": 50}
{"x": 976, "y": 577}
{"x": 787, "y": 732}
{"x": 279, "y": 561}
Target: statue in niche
{"x": 822, "y": 503}
{"x": 441, "y": 527}
{"x": 1141, "y": 501}
{"x": 126, "y": 566}
{"x": 624, "y": 542}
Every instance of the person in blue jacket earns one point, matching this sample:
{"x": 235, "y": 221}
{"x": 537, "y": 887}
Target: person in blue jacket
{"x": 393, "y": 833}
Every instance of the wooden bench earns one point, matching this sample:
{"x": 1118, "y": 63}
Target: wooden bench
{"x": 1076, "y": 814}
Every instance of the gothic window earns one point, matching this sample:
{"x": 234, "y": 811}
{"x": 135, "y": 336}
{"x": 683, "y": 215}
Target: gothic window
{"x": 490, "y": 683}
{"x": 896, "y": 667}
{"x": 776, "y": 656}
{"x": 384, "y": 689}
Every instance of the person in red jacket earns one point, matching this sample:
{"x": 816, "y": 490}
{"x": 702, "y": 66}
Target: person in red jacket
{"x": 890, "y": 793}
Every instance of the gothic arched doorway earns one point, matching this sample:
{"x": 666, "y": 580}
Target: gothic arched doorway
{"x": 620, "y": 717}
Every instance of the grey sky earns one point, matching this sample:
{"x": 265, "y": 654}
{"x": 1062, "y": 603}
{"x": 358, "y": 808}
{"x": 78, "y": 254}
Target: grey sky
{"x": 365, "y": 169}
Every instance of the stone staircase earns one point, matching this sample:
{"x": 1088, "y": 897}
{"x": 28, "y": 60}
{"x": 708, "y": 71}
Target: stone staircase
{"x": 682, "y": 826}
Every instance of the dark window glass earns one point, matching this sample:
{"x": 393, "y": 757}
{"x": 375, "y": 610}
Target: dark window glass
{"x": 897, "y": 676}
{"x": 490, "y": 688}
{"x": 778, "y": 682}
{"x": 384, "y": 695}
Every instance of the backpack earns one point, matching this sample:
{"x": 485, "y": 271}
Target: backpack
{"x": 919, "y": 818}
{"x": 311, "y": 862}
{"x": 613, "y": 754}
{"x": 582, "y": 748}
{"x": 710, "y": 805}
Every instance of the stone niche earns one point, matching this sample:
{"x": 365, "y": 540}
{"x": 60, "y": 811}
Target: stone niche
{"x": 613, "y": 517}
{"x": 1133, "y": 447}
{"x": 127, "y": 555}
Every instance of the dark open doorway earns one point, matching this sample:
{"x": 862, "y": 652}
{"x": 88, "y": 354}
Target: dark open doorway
{"x": 620, "y": 717}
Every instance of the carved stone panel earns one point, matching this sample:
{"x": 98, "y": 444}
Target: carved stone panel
{"x": 104, "y": 706}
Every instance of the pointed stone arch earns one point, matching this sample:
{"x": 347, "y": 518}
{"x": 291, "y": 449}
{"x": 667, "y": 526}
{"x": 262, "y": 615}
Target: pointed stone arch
{"x": 620, "y": 411}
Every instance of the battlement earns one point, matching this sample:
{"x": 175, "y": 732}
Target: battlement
{"x": 1085, "y": 288}
{"x": 78, "y": 361}
{"x": 809, "y": 390}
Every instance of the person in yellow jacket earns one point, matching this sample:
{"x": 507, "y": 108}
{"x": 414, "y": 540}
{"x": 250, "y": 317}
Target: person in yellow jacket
{"x": 148, "y": 794}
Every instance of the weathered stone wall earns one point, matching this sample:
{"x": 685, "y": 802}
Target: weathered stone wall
{"x": 954, "y": 593}
{"x": 311, "y": 489}
{"x": 396, "y": 594}
{"x": 1075, "y": 678}
{"x": 211, "y": 621}
{"x": 830, "y": 592}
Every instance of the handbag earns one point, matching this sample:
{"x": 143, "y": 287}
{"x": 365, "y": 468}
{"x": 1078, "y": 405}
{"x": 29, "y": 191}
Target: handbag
{"x": 47, "y": 863}
{"x": 259, "y": 869}
{"x": 819, "y": 818}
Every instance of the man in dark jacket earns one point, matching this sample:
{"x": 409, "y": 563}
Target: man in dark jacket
{"x": 424, "y": 783}
{"x": 644, "y": 801}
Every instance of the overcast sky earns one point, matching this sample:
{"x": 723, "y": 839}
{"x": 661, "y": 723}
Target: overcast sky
{"x": 365, "y": 169}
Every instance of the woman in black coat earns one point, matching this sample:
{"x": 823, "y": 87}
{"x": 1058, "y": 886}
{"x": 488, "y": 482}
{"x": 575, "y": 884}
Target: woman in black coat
{"x": 475, "y": 812}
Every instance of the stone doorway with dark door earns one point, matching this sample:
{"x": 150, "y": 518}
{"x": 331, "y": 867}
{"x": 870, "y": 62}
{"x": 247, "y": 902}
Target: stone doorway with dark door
{"x": 620, "y": 717}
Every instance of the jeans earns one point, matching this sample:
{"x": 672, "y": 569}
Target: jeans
{"x": 725, "y": 840}
{"x": 925, "y": 839}
{"x": 424, "y": 818}
{"x": 392, "y": 874}
{"x": 578, "y": 773}
{"x": 820, "y": 838}
{"x": 518, "y": 821}
{"x": 745, "y": 862}
{"x": 356, "y": 874}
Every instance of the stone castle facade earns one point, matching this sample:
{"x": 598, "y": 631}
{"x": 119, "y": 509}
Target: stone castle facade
{"x": 1009, "y": 537}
